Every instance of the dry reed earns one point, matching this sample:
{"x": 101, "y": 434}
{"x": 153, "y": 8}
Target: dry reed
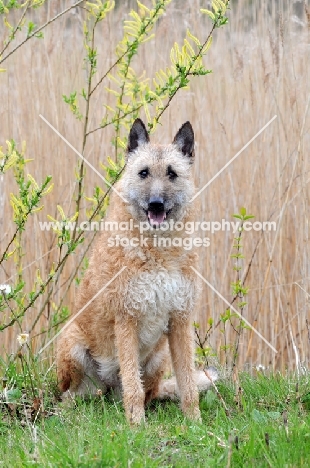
{"x": 261, "y": 67}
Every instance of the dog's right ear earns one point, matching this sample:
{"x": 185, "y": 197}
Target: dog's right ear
{"x": 138, "y": 135}
{"x": 185, "y": 140}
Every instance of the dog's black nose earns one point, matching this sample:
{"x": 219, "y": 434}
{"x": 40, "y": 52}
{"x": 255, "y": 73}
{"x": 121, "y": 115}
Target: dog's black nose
{"x": 156, "y": 205}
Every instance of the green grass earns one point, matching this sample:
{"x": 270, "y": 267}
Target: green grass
{"x": 94, "y": 433}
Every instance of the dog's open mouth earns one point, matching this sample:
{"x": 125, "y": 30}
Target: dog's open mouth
{"x": 156, "y": 218}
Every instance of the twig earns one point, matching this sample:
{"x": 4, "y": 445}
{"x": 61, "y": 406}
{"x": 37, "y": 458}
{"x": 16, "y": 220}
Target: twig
{"x": 115, "y": 120}
{"x": 129, "y": 48}
{"x": 200, "y": 343}
{"x": 11, "y": 310}
{"x": 81, "y": 175}
{"x": 42, "y": 308}
{"x": 61, "y": 261}
{"x": 15, "y": 30}
{"x": 40, "y": 29}
{"x": 239, "y": 295}
{"x": 217, "y": 392}
{"x": 186, "y": 74}
{"x": 21, "y": 224}
{"x": 70, "y": 280}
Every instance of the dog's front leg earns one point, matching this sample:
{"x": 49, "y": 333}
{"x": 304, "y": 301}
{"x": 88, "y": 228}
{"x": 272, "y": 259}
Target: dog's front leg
{"x": 180, "y": 342}
{"x": 126, "y": 332}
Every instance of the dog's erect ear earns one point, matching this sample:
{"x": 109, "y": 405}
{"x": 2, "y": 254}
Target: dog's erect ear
{"x": 137, "y": 136}
{"x": 185, "y": 140}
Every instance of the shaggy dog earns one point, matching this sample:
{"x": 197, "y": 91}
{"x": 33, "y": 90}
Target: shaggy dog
{"x": 131, "y": 320}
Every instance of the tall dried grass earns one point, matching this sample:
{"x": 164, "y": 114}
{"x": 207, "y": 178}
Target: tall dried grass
{"x": 261, "y": 67}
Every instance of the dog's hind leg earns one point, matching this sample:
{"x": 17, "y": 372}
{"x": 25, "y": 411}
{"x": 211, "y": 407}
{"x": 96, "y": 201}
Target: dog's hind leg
{"x": 70, "y": 370}
{"x": 76, "y": 369}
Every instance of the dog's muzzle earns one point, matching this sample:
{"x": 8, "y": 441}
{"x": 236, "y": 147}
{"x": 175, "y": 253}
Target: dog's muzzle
{"x": 156, "y": 211}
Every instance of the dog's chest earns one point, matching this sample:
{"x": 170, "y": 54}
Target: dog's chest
{"x": 152, "y": 297}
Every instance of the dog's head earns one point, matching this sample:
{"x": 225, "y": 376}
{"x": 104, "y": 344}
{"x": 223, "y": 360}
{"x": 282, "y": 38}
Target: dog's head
{"x": 157, "y": 182}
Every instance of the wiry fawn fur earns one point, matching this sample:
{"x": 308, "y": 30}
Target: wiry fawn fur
{"x": 122, "y": 338}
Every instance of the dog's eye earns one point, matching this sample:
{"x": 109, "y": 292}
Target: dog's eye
{"x": 143, "y": 174}
{"x": 171, "y": 174}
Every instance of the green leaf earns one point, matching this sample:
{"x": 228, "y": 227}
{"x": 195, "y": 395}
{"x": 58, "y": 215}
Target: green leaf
{"x": 13, "y": 395}
{"x": 258, "y": 417}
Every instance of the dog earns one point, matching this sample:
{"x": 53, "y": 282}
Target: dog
{"x": 130, "y": 320}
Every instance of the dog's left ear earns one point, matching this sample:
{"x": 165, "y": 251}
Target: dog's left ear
{"x": 185, "y": 140}
{"x": 138, "y": 135}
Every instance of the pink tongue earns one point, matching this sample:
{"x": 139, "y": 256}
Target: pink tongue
{"x": 156, "y": 218}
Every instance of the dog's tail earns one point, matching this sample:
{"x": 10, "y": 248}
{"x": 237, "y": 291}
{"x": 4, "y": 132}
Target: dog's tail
{"x": 168, "y": 388}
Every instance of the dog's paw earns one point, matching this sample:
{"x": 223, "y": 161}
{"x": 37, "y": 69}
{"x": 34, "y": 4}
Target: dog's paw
{"x": 168, "y": 389}
{"x": 204, "y": 378}
{"x": 136, "y": 416}
{"x": 192, "y": 413}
